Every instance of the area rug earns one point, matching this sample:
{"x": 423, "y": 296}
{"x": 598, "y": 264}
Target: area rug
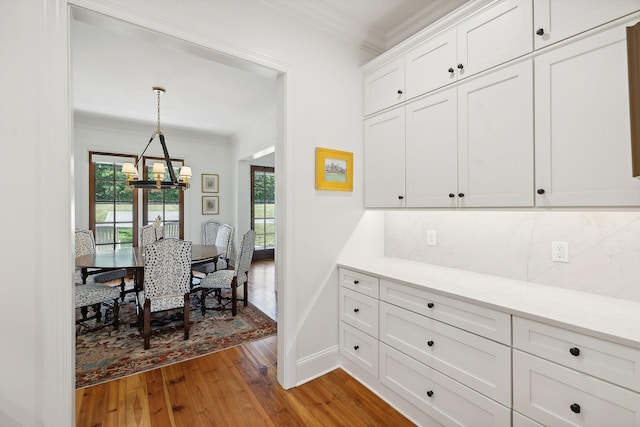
{"x": 104, "y": 354}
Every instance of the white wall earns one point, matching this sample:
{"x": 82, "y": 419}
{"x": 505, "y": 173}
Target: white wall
{"x": 204, "y": 153}
{"x": 604, "y": 246}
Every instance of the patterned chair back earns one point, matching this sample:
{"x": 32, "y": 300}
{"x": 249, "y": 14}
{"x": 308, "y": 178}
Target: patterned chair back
{"x": 85, "y": 244}
{"x": 149, "y": 234}
{"x": 167, "y": 272}
{"x": 210, "y": 232}
{"x": 223, "y": 240}
{"x": 244, "y": 256}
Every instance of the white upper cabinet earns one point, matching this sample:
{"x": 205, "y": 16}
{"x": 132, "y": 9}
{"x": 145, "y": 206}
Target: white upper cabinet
{"x": 384, "y": 87}
{"x": 555, "y": 20}
{"x": 491, "y": 37}
{"x": 582, "y": 131}
{"x": 384, "y": 136}
{"x": 495, "y": 138}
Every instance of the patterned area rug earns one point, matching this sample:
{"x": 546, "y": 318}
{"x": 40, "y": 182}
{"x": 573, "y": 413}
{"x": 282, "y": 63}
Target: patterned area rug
{"x": 105, "y": 354}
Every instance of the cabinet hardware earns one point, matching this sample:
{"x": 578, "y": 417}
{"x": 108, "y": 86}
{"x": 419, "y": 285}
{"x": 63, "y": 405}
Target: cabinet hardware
{"x": 429, "y": 393}
{"x": 451, "y": 195}
{"x": 575, "y": 408}
{"x": 430, "y": 343}
{"x": 540, "y": 191}
{"x": 460, "y": 66}
{"x": 355, "y": 282}
{"x": 355, "y": 310}
{"x": 356, "y": 347}
{"x": 400, "y": 197}
{"x": 399, "y": 91}
{"x": 540, "y": 31}
{"x": 460, "y": 194}
{"x": 451, "y": 69}
{"x": 575, "y": 351}
{"x": 430, "y": 305}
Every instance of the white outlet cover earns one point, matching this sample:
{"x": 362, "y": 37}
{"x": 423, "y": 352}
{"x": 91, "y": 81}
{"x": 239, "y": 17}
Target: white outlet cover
{"x": 560, "y": 251}
{"x": 431, "y": 237}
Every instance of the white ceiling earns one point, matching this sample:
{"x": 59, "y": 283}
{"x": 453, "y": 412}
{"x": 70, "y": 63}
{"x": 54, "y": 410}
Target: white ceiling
{"x": 116, "y": 64}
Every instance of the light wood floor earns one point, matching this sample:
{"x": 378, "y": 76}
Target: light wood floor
{"x": 233, "y": 387}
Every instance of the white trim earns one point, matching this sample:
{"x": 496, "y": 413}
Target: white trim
{"x": 316, "y": 365}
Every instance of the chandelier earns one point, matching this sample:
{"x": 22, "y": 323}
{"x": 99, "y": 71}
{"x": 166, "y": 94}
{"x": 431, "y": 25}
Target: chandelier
{"x": 158, "y": 172}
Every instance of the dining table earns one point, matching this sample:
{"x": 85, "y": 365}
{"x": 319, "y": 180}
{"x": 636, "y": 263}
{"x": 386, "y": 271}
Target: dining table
{"x": 133, "y": 257}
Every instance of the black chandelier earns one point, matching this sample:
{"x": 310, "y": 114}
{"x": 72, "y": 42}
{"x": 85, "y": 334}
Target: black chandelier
{"x": 131, "y": 170}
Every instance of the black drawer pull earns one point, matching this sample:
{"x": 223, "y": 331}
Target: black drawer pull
{"x": 355, "y": 282}
{"x": 575, "y": 351}
{"x": 540, "y": 191}
{"x": 356, "y": 347}
{"x": 575, "y": 408}
{"x": 450, "y": 69}
{"x": 460, "y": 194}
{"x": 430, "y": 343}
{"x": 540, "y": 31}
{"x": 399, "y": 91}
{"x": 429, "y": 393}
{"x": 430, "y": 305}
{"x": 355, "y": 310}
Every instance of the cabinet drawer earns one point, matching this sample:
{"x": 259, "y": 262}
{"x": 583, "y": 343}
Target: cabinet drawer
{"x": 612, "y": 362}
{"x": 479, "y": 363}
{"x": 479, "y": 320}
{"x": 360, "y": 348}
{"x": 359, "y": 282}
{"x": 557, "y": 396}
{"x": 360, "y": 311}
{"x": 520, "y": 420}
{"x": 442, "y": 398}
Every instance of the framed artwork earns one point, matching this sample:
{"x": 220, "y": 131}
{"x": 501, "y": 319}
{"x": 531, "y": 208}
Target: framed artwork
{"x": 334, "y": 170}
{"x": 210, "y": 205}
{"x": 210, "y": 183}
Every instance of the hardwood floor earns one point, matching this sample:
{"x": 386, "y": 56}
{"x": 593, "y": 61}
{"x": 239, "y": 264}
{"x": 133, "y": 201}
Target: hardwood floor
{"x": 233, "y": 387}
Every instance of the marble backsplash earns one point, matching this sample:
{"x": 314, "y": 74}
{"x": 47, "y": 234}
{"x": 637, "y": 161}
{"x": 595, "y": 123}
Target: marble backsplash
{"x": 604, "y": 247}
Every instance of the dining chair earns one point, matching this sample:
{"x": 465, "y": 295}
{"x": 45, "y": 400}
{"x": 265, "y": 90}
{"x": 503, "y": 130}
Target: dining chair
{"x": 220, "y": 280}
{"x": 94, "y": 295}
{"x": 209, "y": 234}
{"x": 85, "y": 244}
{"x": 224, "y": 243}
{"x": 149, "y": 234}
{"x": 167, "y": 273}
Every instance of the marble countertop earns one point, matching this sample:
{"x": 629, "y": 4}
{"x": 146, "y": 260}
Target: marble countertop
{"x": 604, "y": 317}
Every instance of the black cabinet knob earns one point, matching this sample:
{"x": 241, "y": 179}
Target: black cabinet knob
{"x": 451, "y": 195}
{"x": 400, "y": 197}
{"x": 575, "y": 351}
{"x": 355, "y": 310}
{"x": 430, "y": 305}
{"x": 429, "y": 393}
{"x": 540, "y": 191}
{"x": 575, "y": 408}
{"x": 460, "y": 194}
{"x": 430, "y": 343}
{"x": 460, "y": 66}
{"x": 356, "y": 347}
{"x": 451, "y": 69}
{"x": 540, "y": 31}
{"x": 355, "y": 282}
{"x": 399, "y": 91}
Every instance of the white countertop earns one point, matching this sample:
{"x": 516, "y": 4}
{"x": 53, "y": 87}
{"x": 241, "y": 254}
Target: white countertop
{"x": 605, "y": 317}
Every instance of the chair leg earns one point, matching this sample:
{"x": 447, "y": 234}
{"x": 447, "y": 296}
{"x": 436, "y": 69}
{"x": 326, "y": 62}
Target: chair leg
{"x": 98, "y": 310}
{"x": 246, "y": 292}
{"x": 234, "y": 298}
{"x": 122, "y": 293}
{"x": 146, "y": 332}
{"x": 116, "y": 312}
{"x": 203, "y": 300}
{"x": 187, "y": 302}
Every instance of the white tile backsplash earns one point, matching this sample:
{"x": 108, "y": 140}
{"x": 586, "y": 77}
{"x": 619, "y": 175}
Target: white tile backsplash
{"x": 604, "y": 247}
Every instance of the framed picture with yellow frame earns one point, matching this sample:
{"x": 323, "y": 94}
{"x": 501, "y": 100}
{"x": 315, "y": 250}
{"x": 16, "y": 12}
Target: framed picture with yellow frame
{"x": 334, "y": 170}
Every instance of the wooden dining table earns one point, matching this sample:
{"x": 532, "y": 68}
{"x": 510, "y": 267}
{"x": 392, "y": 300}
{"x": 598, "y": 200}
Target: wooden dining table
{"x": 133, "y": 257}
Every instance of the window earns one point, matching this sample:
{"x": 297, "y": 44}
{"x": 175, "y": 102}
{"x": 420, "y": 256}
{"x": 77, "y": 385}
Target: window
{"x": 111, "y": 203}
{"x": 263, "y": 215}
{"x": 167, "y": 204}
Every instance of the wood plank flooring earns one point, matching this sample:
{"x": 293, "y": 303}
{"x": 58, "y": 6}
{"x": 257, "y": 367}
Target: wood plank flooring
{"x": 233, "y": 387}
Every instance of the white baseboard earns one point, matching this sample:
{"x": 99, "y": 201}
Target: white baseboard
{"x": 316, "y": 365}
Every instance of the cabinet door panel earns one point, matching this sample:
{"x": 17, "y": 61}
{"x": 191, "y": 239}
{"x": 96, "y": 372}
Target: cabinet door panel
{"x": 432, "y": 151}
{"x": 583, "y": 154}
{"x": 360, "y": 348}
{"x": 495, "y": 138}
{"x": 495, "y": 36}
{"x": 360, "y": 311}
{"x": 382, "y": 85}
{"x": 427, "y": 66}
{"x": 559, "y": 19}
{"x": 384, "y": 137}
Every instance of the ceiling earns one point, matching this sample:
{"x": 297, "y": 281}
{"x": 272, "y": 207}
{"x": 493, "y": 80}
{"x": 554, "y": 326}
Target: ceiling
{"x": 115, "y": 64}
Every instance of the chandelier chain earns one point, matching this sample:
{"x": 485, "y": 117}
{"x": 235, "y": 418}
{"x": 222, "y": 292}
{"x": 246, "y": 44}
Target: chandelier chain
{"x": 158, "y": 92}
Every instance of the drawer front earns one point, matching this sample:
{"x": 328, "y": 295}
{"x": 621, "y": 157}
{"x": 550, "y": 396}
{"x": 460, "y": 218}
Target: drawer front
{"x": 483, "y": 321}
{"x": 612, "y": 362}
{"x": 360, "y": 348}
{"x": 359, "y": 282}
{"x": 442, "y": 398}
{"x": 360, "y": 311}
{"x": 557, "y": 396}
{"x": 520, "y": 420}
{"x": 477, "y": 362}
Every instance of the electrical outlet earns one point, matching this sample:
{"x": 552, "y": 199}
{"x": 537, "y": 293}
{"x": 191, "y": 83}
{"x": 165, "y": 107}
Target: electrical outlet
{"x": 560, "y": 251}
{"x": 431, "y": 237}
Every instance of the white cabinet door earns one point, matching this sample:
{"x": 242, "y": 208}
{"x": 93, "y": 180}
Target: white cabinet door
{"x": 494, "y": 36}
{"x": 554, "y": 20}
{"x": 431, "y": 65}
{"x": 360, "y": 348}
{"x": 495, "y": 138}
{"x": 384, "y": 148}
{"x": 432, "y": 151}
{"x": 583, "y": 154}
{"x": 384, "y": 87}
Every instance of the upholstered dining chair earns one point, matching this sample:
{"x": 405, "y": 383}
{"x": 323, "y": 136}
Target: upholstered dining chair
{"x": 85, "y": 244}
{"x": 224, "y": 243}
{"x": 167, "y": 273}
{"x": 149, "y": 234}
{"x": 210, "y": 232}
{"x": 94, "y": 295}
{"x": 230, "y": 279}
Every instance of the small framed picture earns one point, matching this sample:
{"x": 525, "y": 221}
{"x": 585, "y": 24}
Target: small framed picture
{"x": 210, "y": 205}
{"x": 210, "y": 183}
{"x": 334, "y": 170}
